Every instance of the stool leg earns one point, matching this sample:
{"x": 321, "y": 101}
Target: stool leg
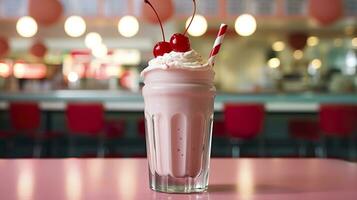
{"x": 101, "y": 146}
{"x": 320, "y": 149}
{"x": 53, "y": 147}
{"x": 71, "y": 143}
{"x": 315, "y": 149}
{"x": 7, "y": 148}
{"x": 261, "y": 151}
{"x": 37, "y": 148}
{"x": 302, "y": 149}
{"x": 235, "y": 147}
{"x": 352, "y": 148}
{"x": 235, "y": 151}
{"x": 319, "y": 152}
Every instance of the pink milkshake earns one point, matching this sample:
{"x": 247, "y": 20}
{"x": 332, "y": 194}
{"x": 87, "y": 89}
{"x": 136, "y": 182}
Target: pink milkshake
{"x": 179, "y": 97}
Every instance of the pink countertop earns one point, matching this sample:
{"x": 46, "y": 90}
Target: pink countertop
{"x": 127, "y": 179}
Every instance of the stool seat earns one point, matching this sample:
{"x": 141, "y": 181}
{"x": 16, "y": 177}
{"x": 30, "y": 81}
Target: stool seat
{"x": 243, "y": 120}
{"x": 5, "y": 134}
{"x": 141, "y": 127}
{"x": 85, "y": 121}
{"x": 114, "y": 128}
{"x": 306, "y": 129}
{"x": 219, "y": 128}
{"x": 25, "y": 118}
{"x": 338, "y": 119}
{"x": 85, "y": 118}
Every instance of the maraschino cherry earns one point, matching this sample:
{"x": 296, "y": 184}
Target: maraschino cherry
{"x": 180, "y": 42}
{"x": 161, "y": 47}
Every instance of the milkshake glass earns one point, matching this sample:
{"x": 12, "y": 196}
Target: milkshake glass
{"x": 179, "y": 97}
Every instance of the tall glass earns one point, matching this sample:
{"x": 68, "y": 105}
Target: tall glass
{"x": 179, "y": 117}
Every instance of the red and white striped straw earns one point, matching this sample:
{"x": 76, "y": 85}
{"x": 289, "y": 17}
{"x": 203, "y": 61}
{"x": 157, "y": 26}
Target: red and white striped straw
{"x": 217, "y": 43}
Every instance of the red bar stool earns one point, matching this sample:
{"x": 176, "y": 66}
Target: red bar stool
{"x": 86, "y": 119}
{"x": 114, "y": 133}
{"x": 141, "y": 133}
{"x": 339, "y": 121}
{"x": 305, "y": 130}
{"x": 25, "y": 119}
{"x": 114, "y": 128}
{"x": 4, "y": 137}
{"x": 243, "y": 121}
{"x": 220, "y": 142}
{"x": 219, "y": 129}
{"x": 141, "y": 128}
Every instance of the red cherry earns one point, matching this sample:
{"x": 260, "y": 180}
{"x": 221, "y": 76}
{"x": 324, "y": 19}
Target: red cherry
{"x": 180, "y": 43}
{"x": 161, "y": 48}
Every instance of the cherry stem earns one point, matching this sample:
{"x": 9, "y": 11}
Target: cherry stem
{"x": 194, "y": 13}
{"x": 157, "y": 15}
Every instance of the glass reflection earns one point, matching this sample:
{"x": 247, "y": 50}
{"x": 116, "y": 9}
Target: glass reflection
{"x": 25, "y": 180}
{"x": 245, "y": 180}
{"x": 127, "y": 179}
{"x": 73, "y": 180}
{"x": 164, "y": 196}
{"x": 95, "y": 169}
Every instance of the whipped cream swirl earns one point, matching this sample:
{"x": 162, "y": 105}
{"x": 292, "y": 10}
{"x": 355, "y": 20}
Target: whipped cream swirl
{"x": 184, "y": 60}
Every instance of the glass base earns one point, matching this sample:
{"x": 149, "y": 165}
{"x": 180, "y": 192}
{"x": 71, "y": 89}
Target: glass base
{"x": 169, "y": 184}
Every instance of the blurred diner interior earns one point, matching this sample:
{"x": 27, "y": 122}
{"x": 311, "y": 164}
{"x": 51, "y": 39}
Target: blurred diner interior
{"x": 70, "y": 83}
